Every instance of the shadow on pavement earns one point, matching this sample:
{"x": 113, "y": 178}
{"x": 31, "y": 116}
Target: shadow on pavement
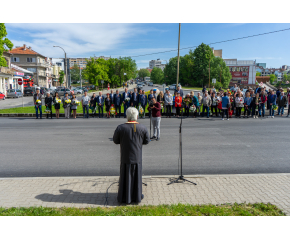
{"x": 70, "y": 196}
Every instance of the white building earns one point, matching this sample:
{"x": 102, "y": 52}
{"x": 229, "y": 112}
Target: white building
{"x": 156, "y": 63}
{"x": 243, "y": 71}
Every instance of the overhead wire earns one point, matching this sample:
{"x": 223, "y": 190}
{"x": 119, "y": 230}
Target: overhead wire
{"x": 229, "y": 40}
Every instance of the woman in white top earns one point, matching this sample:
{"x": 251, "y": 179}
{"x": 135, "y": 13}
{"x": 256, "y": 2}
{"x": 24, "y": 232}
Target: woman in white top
{"x": 239, "y": 104}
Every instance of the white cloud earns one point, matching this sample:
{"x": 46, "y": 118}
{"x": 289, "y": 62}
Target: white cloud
{"x": 77, "y": 39}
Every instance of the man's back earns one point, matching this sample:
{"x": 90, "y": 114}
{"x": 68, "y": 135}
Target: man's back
{"x": 131, "y": 137}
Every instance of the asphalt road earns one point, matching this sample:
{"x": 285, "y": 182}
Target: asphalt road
{"x": 84, "y": 147}
{"x": 28, "y": 100}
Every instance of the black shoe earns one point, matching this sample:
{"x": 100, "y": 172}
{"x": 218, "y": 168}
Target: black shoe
{"x": 36, "y": 118}
{"x": 153, "y": 137}
{"x": 142, "y": 196}
{"x": 207, "y": 117}
{"x": 40, "y": 117}
{"x": 157, "y": 139}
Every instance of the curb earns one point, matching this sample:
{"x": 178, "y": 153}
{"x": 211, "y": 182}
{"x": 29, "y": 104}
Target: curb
{"x": 159, "y": 176}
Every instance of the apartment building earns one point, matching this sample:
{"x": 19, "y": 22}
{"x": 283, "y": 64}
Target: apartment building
{"x": 243, "y": 71}
{"x": 6, "y": 74}
{"x": 217, "y": 53}
{"x": 81, "y": 62}
{"x": 278, "y": 72}
{"x": 33, "y": 61}
{"x": 156, "y": 63}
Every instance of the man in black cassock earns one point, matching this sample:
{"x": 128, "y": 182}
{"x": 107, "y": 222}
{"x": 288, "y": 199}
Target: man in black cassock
{"x": 131, "y": 136}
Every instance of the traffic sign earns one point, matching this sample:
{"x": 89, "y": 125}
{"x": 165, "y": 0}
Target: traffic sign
{"x": 19, "y": 81}
{"x": 102, "y": 81}
{"x": 213, "y": 80}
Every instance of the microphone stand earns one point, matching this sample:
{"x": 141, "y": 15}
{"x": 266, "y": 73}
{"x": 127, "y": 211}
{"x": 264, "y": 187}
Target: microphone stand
{"x": 181, "y": 177}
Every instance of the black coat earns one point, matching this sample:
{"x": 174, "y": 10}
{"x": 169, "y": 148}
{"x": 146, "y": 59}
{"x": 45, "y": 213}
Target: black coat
{"x": 131, "y": 137}
{"x": 48, "y": 101}
{"x": 93, "y": 102}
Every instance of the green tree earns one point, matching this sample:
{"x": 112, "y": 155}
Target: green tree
{"x": 202, "y": 56}
{"x": 272, "y": 78}
{"x": 143, "y": 73}
{"x": 75, "y": 73}
{"x": 96, "y": 70}
{"x": 5, "y": 44}
{"x": 170, "y": 71}
{"x": 286, "y": 77}
{"x": 61, "y": 77}
{"x": 157, "y": 75}
{"x": 220, "y": 71}
{"x": 258, "y": 74}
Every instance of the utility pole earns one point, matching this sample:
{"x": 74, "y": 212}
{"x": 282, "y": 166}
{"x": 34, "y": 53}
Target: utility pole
{"x": 81, "y": 76}
{"x": 178, "y": 57}
{"x": 65, "y": 65}
{"x": 209, "y": 71}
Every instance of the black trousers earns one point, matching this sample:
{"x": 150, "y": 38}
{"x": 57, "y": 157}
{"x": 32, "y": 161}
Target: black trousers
{"x": 118, "y": 109}
{"x": 168, "y": 110}
{"x": 215, "y": 109}
{"x": 50, "y": 112}
{"x": 135, "y": 104}
{"x": 247, "y": 110}
{"x": 178, "y": 111}
{"x": 225, "y": 111}
{"x": 187, "y": 111}
{"x": 101, "y": 109}
{"x": 239, "y": 110}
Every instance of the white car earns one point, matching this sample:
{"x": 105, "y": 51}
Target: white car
{"x": 173, "y": 86}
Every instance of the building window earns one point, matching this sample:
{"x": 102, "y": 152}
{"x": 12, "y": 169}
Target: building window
{"x": 30, "y": 60}
{"x": 31, "y": 69}
{"x": 14, "y": 59}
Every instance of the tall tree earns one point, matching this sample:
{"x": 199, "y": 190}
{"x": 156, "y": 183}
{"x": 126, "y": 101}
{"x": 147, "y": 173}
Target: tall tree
{"x": 157, "y": 75}
{"x": 96, "y": 70}
{"x": 61, "y": 77}
{"x": 170, "y": 71}
{"x": 143, "y": 73}
{"x": 220, "y": 71}
{"x": 5, "y": 44}
{"x": 272, "y": 78}
{"x": 75, "y": 73}
{"x": 202, "y": 56}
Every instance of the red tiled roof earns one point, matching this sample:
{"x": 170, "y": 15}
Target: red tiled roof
{"x": 20, "y": 50}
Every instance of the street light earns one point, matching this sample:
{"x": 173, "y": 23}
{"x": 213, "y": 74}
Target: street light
{"x": 65, "y": 67}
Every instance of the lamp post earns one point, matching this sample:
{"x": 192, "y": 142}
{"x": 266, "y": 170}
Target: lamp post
{"x": 65, "y": 70}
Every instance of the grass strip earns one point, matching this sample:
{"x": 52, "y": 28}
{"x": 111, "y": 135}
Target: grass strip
{"x": 257, "y": 209}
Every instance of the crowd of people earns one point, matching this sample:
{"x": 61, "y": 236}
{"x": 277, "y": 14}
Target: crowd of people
{"x": 210, "y": 103}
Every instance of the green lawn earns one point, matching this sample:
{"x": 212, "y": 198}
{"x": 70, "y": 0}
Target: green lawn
{"x": 32, "y": 110}
{"x": 258, "y": 209}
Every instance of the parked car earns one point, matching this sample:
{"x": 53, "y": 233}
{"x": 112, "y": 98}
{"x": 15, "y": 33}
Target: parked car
{"x": 140, "y": 85}
{"x": 150, "y": 84}
{"x": 14, "y": 93}
{"x": 173, "y": 86}
{"x": 78, "y": 91}
{"x": 2, "y": 96}
{"x": 61, "y": 91}
{"x": 28, "y": 91}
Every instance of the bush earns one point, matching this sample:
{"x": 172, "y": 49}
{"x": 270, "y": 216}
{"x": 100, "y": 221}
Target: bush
{"x": 218, "y": 85}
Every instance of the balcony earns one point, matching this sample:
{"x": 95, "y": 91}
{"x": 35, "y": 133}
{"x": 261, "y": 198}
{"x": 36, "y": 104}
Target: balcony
{"x": 42, "y": 74}
{"x": 46, "y": 65}
{"x": 6, "y": 70}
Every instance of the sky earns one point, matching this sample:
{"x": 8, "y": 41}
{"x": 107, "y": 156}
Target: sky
{"x": 101, "y": 39}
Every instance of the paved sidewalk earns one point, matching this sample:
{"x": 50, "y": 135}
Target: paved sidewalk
{"x": 91, "y": 191}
